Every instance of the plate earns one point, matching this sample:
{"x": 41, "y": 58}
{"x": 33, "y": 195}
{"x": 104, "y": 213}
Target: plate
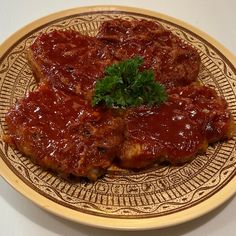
{"x": 153, "y": 198}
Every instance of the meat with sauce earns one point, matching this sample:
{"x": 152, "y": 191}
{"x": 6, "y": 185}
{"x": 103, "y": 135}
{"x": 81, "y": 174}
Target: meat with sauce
{"x": 64, "y": 133}
{"x": 174, "y": 62}
{"x": 73, "y": 62}
{"x": 178, "y": 130}
{"x": 69, "y": 61}
{"x": 57, "y": 127}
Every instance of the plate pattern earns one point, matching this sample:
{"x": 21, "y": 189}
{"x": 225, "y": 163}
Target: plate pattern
{"x": 155, "y": 192}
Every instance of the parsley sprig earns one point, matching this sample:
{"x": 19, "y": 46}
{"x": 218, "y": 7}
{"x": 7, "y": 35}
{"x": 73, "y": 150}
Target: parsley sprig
{"x": 124, "y": 85}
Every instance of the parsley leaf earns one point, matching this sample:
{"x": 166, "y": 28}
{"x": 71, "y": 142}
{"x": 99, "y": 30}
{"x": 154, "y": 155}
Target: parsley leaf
{"x": 124, "y": 85}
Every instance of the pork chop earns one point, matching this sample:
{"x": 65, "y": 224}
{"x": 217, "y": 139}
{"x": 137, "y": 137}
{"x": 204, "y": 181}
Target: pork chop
{"x": 64, "y": 133}
{"x": 176, "y": 131}
{"x": 174, "y": 62}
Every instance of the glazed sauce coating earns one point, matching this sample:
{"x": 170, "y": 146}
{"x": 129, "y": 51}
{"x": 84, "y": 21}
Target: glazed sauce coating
{"x": 70, "y": 61}
{"x": 174, "y": 62}
{"x": 73, "y": 62}
{"x": 207, "y": 109}
{"x": 59, "y": 129}
{"x": 64, "y": 133}
{"x": 175, "y": 132}
{"x": 164, "y": 133}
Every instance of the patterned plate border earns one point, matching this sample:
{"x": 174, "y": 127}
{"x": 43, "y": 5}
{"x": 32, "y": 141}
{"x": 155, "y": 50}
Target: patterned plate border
{"x": 132, "y": 215}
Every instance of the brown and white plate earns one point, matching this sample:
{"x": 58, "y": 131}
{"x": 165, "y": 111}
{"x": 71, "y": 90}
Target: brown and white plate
{"x": 154, "y": 198}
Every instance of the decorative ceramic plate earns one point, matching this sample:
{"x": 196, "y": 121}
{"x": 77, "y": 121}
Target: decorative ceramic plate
{"x": 154, "y": 198}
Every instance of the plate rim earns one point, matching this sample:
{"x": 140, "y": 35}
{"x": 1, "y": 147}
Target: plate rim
{"x": 105, "y": 222}
{"x": 188, "y": 214}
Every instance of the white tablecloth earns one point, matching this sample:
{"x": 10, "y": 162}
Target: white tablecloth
{"x": 18, "y": 216}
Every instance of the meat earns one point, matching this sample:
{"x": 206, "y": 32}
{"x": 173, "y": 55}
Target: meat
{"x": 178, "y": 130}
{"x": 73, "y": 62}
{"x": 207, "y": 109}
{"x": 174, "y": 62}
{"x": 64, "y": 133}
{"x": 57, "y": 127}
{"x": 69, "y": 61}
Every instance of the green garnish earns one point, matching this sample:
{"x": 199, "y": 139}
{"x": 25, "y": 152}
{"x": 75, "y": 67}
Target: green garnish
{"x": 124, "y": 85}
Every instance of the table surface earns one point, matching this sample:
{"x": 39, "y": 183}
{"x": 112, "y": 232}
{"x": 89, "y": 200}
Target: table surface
{"x": 18, "y": 216}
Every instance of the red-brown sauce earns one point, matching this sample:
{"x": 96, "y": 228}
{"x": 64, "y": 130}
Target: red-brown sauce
{"x": 212, "y": 111}
{"x": 177, "y": 130}
{"x": 165, "y": 132}
{"x": 64, "y": 132}
{"x": 59, "y": 129}
{"x": 71, "y": 61}
{"x": 174, "y": 62}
